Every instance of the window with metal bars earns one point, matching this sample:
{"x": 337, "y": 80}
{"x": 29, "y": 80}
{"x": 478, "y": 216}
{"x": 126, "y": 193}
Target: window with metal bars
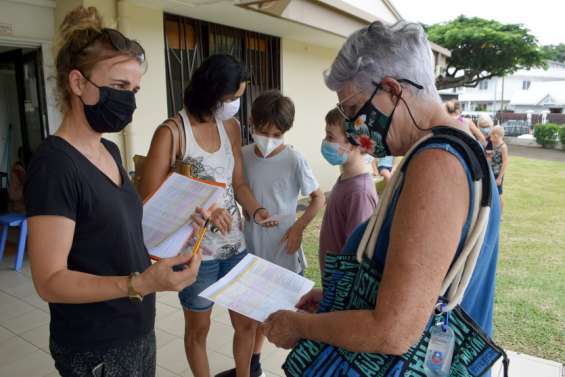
{"x": 188, "y": 42}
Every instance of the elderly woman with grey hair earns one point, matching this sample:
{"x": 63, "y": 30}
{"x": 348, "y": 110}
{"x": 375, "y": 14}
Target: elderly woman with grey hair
{"x": 384, "y": 80}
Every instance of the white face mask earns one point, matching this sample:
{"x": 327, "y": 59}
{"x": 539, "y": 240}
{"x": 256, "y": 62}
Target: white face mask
{"x": 267, "y": 144}
{"x": 227, "y": 110}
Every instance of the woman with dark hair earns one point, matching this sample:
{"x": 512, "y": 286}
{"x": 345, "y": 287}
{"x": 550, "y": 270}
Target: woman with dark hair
{"x": 86, "y": 249}
{"x": 213, "y": 149}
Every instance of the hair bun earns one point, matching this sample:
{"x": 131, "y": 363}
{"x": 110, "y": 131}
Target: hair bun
{"x": 79, "y": 24}
{"x": 452, "y": 106}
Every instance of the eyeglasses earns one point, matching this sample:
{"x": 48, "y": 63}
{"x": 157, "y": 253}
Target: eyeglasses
{"x": 339, "y": 105}
{"x": 119, "y": 41}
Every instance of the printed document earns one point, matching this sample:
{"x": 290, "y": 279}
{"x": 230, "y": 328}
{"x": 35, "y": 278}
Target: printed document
{"x": 257, "y": 288}
{"x": 167, "y": 213}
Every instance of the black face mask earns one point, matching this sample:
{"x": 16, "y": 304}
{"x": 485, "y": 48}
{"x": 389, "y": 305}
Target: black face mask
{"x": 369, "y": 128}
{"x": 112, "y": 112}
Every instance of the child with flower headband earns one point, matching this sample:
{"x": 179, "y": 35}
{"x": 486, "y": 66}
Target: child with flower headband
{"x": 353, "y": 198}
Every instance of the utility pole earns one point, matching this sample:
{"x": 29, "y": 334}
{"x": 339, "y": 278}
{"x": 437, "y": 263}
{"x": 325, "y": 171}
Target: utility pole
{"x": 502, "y": 96}
{"x": 502, "y": 100}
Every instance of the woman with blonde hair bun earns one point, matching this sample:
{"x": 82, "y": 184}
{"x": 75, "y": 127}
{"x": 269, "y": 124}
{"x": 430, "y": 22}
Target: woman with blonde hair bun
{"x": 87, "y": 255}
{"x": 453, "y": 108}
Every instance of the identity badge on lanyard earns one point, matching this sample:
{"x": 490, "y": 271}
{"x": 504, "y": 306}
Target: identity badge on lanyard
{"x": 440, "y": 348}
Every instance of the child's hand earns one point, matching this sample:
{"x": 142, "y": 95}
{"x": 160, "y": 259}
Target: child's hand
{"x": 200, "y": 216}
{"x": 498, "y": 181}
{"x": 262, "y": 217}
{"x": 221, "y": 218}
{"x": 293, "y": 238}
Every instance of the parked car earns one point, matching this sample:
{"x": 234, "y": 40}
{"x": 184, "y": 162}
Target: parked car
{"x": 516, "y": 127}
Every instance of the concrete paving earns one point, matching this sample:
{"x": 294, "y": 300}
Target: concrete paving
{"x": 24, "y": 334}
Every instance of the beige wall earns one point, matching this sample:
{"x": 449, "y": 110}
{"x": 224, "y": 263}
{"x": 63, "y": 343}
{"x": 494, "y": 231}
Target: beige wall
{"x": 300, "y": 62}
{"x": 107, "y": 9}
{"x": 146, "y": 26}
{"x": 368, "y": 10}
{"x": 29, "y": 22}
{"x": 302, "y": 66}
{"x": 62, "y": 8}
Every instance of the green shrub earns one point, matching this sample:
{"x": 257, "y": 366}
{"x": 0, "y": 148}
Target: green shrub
{"x": 546, "y": 134}
{"x": 562, "y": 136}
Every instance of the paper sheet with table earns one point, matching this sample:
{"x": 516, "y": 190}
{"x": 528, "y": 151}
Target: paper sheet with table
{"x": 166, "y": 214}
{"x": 257, "y": 288}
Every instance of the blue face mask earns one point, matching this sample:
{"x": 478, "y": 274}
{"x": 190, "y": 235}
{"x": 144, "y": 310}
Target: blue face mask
{"x": 334, "y": 153}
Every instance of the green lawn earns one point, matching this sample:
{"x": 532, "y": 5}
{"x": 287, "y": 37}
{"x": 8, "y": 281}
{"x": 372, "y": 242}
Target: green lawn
{"x": 530, "y": 294}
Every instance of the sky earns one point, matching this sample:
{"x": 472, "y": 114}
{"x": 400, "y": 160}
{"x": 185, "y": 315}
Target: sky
{"x": 544, "y": 18}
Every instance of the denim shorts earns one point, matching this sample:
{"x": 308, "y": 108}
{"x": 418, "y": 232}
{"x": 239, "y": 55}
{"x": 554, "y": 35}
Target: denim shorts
{"x": 210, "y": 272}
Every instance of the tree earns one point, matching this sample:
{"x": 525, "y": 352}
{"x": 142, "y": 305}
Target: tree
{"x": 482, "y": 49}
{"x": 555, "y": 52}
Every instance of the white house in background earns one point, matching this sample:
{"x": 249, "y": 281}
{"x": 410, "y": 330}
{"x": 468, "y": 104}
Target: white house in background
{"x": 542, "y": 96}
{"x": 536, "y": 90}
{"x": 286, "y": 44}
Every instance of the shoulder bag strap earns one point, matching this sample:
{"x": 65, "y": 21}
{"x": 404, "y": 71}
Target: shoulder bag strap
{"x": 460, "y": 272}
{"x": 175, "y": 135}
{"x": 177, "y": 119}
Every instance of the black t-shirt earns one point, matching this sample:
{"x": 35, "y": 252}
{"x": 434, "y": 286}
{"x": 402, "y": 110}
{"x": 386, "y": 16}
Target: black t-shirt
{"x": 108, "y": 241}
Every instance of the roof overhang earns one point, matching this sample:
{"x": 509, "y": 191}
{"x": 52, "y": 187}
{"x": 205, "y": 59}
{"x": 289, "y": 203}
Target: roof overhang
{"x": 439, "y": 49}
{"x": 331, "y": 16}
{"x": 338, "y": 17}
{"x": 320, "y": 22}
{"x": 380, "y": 10}
{"x": 230, "y": 13}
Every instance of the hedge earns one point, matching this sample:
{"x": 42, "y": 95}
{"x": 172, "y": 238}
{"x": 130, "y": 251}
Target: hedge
{"x": 546, "y": 134}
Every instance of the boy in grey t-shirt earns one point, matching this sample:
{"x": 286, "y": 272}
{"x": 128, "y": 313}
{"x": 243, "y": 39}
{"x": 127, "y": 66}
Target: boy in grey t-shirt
{"x": 277, "y": 174}
{"x": 277, "y": 182}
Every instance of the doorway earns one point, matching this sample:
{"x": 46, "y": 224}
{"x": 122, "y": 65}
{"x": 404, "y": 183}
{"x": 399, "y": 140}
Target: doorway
{"x": 23, "y": 120}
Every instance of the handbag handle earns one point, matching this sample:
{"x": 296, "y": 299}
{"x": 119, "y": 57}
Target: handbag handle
{"x": 173, "y": 124}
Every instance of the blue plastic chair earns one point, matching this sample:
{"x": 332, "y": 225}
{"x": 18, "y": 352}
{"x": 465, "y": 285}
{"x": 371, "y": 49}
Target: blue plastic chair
{"x": 13, "y": 220}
